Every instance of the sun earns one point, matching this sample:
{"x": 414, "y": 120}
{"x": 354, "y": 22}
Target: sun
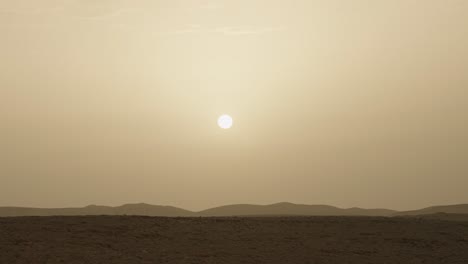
{"x": 225, "y": 121}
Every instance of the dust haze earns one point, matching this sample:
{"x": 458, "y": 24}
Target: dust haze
{"x": 358, "y": 103}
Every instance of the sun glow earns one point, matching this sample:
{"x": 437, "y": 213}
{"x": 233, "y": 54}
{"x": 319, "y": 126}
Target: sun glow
{"x": 225, "y": 122}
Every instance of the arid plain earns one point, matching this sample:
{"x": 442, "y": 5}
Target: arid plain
{"x": 318, "y": 239}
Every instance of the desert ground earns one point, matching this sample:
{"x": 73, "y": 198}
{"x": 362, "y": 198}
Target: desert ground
{"x": 236, "y": 240}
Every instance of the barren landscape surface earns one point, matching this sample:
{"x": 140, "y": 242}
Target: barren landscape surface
{"x": 237, "y": 240}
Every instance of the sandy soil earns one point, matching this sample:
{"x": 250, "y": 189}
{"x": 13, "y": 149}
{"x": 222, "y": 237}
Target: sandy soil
{"x": 285, "y": 240}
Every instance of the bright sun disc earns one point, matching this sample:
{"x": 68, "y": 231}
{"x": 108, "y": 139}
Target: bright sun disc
{"x": 225, "y": 122}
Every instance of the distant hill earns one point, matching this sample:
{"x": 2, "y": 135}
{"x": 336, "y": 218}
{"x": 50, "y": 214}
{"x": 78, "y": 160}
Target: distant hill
{"x": 448, "y": 209}
{"x": 278, "y": 209}
{"x": 128, "y": 209}
{"x": 283, "y": 209}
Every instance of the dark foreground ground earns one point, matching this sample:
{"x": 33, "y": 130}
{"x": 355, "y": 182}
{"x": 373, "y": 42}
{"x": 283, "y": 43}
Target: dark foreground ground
{"x": 285, "y": 240}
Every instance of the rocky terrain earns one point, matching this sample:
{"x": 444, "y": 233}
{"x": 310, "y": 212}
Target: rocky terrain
{"x": 225, "y": 240}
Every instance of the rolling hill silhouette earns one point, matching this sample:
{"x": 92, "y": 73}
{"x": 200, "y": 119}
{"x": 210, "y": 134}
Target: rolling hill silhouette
{"x": 448, "y": 209}
{"x": 278, "y": 209}
{"x": 127, "y": 209}
{"x": 290, "y": 209}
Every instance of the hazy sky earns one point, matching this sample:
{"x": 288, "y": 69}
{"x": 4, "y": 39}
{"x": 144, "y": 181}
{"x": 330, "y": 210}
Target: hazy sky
{"x": 348, "y": 103}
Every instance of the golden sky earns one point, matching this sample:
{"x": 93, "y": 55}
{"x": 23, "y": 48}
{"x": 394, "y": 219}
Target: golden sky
{"x": 348, "y": 103}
